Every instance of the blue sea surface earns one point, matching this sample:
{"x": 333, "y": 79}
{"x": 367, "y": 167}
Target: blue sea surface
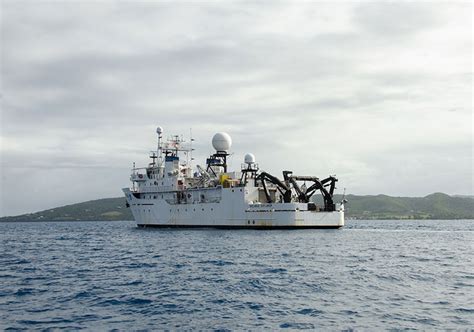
{"x": 111, "y": 275}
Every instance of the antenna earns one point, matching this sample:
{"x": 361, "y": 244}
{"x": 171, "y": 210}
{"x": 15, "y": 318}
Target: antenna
{"x": 231, "y": 159}
{"x": 344, "y": 200}
{"x": 191, "y": 140}
{"x": 159, "y": 131}
{"x": 134, "y": 172}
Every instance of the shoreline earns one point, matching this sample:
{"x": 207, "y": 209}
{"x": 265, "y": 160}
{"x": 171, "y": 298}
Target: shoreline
{"x": 350, "y": 220}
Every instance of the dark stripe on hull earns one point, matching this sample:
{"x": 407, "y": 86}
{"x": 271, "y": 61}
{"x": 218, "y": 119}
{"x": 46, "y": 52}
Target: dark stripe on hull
{"x": 236, "y": 226}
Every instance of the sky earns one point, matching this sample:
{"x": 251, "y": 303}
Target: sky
{"x": 377, "y": 93}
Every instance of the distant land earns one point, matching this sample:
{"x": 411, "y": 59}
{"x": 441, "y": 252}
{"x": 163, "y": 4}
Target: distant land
{"x": 434, "y": 206}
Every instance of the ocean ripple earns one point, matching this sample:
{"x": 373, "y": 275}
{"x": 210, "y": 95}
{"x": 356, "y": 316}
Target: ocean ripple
{"x": 371, "y": 275}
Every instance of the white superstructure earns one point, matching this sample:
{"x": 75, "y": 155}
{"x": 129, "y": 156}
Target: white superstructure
{"x": 170, "y": 193}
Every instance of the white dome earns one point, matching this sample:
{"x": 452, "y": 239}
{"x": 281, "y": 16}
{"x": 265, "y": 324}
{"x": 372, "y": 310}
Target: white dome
{"x": 221, "y": 142}
{"x": 159, "y": 130}
{"x": 249, "y": 158}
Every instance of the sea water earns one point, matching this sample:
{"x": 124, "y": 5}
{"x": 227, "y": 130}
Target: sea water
{"x": 112, "y": 275}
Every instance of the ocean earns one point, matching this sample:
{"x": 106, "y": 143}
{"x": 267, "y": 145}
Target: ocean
{"x": 111, "y": 275}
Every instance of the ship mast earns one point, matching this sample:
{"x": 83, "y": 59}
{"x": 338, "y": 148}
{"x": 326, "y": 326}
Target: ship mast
{"x": 159, "y": 131}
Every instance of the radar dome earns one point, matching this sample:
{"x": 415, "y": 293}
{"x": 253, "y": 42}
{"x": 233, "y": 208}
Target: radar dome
{"x": 221, "y": 142}
{"x": 159, "y": 130}
{"x": 249, "y": 158}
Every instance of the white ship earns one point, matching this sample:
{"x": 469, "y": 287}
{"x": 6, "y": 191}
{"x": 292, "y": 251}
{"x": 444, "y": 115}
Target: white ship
{"x": 170, "y": 193}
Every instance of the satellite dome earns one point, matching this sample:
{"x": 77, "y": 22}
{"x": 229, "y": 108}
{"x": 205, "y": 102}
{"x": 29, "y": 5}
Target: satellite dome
{"x": 221, "y": 142}
{"x": 159, "y": 130}
{"x": 249, "y": 158}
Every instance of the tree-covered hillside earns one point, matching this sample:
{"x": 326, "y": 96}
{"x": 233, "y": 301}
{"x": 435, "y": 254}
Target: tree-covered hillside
{"x": 100, "y": 209}
{"x": 434, "y": 206}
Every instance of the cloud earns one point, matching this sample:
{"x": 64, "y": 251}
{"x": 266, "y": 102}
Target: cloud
{"x": 320, "y": 88}
{"x": 389, "y": 19}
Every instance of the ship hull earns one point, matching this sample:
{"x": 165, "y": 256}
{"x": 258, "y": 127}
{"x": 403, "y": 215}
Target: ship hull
{"x": 231, "y": 211}
{"x": 238, "y": 227}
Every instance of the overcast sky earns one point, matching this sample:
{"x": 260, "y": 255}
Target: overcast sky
{"x": 379, "y": 94}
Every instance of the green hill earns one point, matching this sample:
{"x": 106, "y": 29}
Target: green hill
{"x": 100, "y": 209}
{"x": 434, "y": 206}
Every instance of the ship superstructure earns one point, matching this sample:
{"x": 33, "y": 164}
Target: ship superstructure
{"x": 170, "y": 192}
